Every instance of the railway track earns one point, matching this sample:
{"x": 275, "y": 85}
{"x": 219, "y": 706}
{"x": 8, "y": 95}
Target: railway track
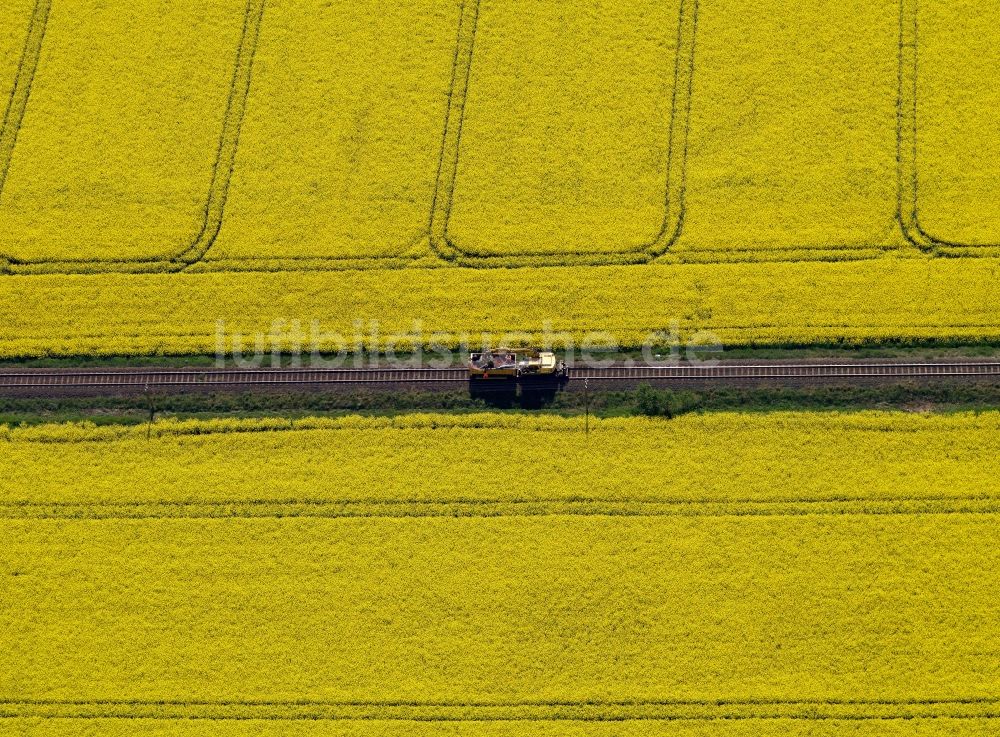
{"x": 181, "y": 379}
{"x": 146, "y": 378}
{"x": 806, "y": 371}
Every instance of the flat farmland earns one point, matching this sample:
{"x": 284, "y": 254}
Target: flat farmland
{"x": 835, "y": 574}
{"x": 762, "y": 172}
{"x": 116, "y": 146}
{"x": 955, "y": 157}
{"x": 341, "y": 138}
{"x": 647, "y": 728}
{"x": 740, "y": 304}
{"x": 562, "y": 553}
{"x": 559, "y": 154}
{"x": 15, "y": 22}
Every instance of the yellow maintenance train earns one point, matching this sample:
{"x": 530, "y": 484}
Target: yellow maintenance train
{"x": 506, "y": 364}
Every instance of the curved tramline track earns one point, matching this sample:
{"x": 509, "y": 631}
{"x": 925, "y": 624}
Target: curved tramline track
{"x": 43, "y": 381}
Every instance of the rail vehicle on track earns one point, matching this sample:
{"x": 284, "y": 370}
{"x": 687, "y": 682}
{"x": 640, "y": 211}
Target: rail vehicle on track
{"x": 507, "y": 364}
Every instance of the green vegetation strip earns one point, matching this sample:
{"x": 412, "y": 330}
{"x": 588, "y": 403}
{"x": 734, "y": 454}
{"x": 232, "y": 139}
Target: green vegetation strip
{"x": 645, "y": 400}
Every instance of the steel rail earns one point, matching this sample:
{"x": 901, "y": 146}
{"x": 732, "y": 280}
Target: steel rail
{"x": 160, "y": 378}
{"x": 224, "y": 377}
{"x": 792, "y": 371}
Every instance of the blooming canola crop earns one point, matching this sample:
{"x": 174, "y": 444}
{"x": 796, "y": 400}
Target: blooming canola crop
{"x": 798, "y": 183}
{"x": 775, "y": 571}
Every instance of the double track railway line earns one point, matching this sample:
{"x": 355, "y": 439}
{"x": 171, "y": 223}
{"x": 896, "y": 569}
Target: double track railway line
{"x": 44, "y": 382}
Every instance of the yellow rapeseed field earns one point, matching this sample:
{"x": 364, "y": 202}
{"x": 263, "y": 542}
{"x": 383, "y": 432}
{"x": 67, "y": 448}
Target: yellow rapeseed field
{"x": 15, "y": 17}
{"x": 740, "y": 304}
{"x": 115, "y": 153}
{"x": 340, "y": 143}
{"x": 780, "y": 458}
{"x": 800, "y": 152}
{"x": 646, "y": 728}
{"x": 188, "y": 177}
{"x": 20, "y": 34}
{"x": 725, "y": 574}
{"x": 956, "y": 156}
{"x": 793, "y": 128}
{"x": 561, "y": 152}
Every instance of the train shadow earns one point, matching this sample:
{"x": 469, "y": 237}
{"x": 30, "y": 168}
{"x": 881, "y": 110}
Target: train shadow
{"x": 513, "y": 394}
{"x": 539, "y": 395}
{"x": 497, "y": 394}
